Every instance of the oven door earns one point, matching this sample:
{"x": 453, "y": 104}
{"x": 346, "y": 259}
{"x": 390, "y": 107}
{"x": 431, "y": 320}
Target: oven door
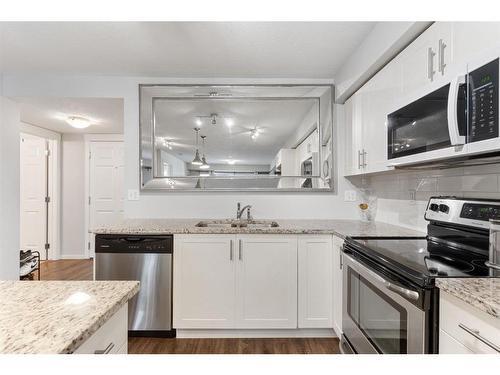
{"x": 376, "y": 318}
{"x": 429, "y": 127}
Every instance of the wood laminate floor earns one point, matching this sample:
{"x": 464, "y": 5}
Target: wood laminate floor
{"x": 82, "y": 270}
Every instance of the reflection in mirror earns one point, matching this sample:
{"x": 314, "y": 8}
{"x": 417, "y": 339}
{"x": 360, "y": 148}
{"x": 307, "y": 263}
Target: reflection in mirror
{"x": 236, "y": 137}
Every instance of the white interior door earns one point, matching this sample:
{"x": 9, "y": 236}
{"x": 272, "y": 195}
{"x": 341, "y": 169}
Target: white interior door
{"x": 106, "y": 185}
{"x": 33, "y": 186}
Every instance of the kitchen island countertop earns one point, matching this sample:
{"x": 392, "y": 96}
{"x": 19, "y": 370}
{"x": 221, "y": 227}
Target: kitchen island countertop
{"x": 57, "y": 316}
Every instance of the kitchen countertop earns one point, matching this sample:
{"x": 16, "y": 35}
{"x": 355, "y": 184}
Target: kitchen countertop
{"x": 341, "y": 228}
{"x": 57, "y": 316}
{"x": 481, "y": 293}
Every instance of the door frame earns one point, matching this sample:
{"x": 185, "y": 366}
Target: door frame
{"x": 88, "y": 140}
{"x": 54, "y": 183}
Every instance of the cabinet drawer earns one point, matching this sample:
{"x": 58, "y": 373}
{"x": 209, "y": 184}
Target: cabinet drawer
{"x": 448, "y": 345}
{"x": 456, "y": 317}
{"x": 112, "y": 335}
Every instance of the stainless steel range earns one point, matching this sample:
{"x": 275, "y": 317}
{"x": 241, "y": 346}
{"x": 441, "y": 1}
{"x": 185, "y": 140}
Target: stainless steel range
{"x": 390, "y": 300}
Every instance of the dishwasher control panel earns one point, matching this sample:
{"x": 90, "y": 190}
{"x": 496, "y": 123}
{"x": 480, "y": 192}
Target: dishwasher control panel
{"x": 117, "y": 243}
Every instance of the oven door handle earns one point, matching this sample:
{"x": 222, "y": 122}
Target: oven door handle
{"x": 409, "y": 294}
{"x": 455, "y": 138}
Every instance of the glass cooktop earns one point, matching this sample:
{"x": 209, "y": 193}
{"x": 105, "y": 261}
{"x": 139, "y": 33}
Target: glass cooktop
{"x": 420, "y": 259}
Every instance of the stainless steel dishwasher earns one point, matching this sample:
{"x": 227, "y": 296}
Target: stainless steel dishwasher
{"x": 147, "y": 258}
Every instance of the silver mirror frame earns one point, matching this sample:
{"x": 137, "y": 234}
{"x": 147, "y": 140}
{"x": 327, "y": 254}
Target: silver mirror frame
{"x": 159, "y": 184}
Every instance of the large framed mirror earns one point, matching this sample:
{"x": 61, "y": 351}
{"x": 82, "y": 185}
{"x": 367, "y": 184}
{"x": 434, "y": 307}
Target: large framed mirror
{"x": 236, "y": 137}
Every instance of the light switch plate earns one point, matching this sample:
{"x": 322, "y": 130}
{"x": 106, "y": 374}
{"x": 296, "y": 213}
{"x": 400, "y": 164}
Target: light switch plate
{"x": 350, "y": 196}
{"x": 133, "y": 194}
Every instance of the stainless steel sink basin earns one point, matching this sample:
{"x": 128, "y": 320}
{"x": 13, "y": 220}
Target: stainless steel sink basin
{"x": 237, "y": 224}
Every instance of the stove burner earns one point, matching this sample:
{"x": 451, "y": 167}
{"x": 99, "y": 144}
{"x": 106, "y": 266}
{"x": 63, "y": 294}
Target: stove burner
{"x": 439, "y": 264}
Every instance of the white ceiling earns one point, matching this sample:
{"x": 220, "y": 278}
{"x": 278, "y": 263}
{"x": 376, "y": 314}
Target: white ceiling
{"x": 276, "y": 120}
{"x": 181, "y": 49}
{"x": 106, "y": 114}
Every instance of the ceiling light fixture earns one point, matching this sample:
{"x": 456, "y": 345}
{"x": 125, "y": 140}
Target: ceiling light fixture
{"x": 229, "y": 122}
{"x": 204, "y": 164}
{"x": 254, "y": 133}
{"x": 78, "y": 122}
{"x": 198, "y": 121}
{"x": 231, "y": 161}
{"x": 197, "y": 160}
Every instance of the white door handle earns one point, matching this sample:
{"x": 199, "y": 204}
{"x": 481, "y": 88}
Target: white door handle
{"x": 455, "y": 138}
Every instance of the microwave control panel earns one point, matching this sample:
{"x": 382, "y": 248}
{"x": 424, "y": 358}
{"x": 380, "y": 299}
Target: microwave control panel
{"x": 483, "y": 96}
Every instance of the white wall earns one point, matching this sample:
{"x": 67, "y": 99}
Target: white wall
{"x": 383, "y": 43}
{"x": 9, "y": 189}
{"x": 73, "y": 196}
{"x": 182, "y": 205}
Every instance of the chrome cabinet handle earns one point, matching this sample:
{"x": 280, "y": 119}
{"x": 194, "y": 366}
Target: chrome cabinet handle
{"x": 231, "y": 250}
{"x": 359, "y": 159}
{"x": 442, "y": 64}
{"x": 240, "y": 250}
{"x": 105, "y": 351}
{"x": 477, "y": 335}
{"x": 430, "y": 64}
{"x": 364, "y": 158}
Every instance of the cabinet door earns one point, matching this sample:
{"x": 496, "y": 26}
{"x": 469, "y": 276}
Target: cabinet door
{"x": 204, "y": 281}
{"x": 378, "y": 100}
{"x": 337, "y": 285}
{"x": 473, "y": 39}
{"x": 315, "y": 281}
{"x": 428, "y": 60}
{"x": 354, "y": 134}
{"x": 266, "y": 281}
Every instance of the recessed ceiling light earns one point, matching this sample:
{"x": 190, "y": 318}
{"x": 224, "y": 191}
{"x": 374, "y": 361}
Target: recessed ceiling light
{"x": 229, "y": 122}
{"x": 78, "y": 122}
{"x": 198, "y": 121}
{"x": 231, "y": 161}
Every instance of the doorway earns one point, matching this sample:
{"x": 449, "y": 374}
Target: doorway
{"x": 38, "y": 195}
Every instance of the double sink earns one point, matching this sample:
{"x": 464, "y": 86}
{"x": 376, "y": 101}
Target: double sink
{"x": 235, "y": 223}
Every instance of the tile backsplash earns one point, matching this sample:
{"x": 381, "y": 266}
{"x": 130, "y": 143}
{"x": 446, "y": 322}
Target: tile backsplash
{"x": 401, "y": 197}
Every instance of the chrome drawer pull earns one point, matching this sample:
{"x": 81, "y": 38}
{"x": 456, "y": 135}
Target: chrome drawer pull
{"x": 240, "y": 255}
{"x": 475, "y": 333}
{"x": 231, "y": 250}
{"x": 107, "y": 350}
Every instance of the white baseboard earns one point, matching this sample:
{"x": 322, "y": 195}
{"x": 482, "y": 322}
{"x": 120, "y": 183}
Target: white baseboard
{"x": 254, "y": 333}
{"x": 73, "y": 256}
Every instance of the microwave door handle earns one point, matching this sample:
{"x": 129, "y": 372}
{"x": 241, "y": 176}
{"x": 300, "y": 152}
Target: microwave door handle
{"x": 455, "y": 138}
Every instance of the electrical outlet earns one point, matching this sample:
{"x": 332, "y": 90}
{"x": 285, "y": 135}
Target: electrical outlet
{"x": 412, "y": 194}
{"x": 350, "y": 196}
{"x": 133, "y": 194}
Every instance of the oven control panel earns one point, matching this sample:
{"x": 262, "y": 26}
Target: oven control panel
{"x": 463, "y": 211}
{"x": 483, "y": 99}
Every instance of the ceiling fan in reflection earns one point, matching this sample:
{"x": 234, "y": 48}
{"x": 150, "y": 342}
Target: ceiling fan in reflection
{"x": 214, "y": 94}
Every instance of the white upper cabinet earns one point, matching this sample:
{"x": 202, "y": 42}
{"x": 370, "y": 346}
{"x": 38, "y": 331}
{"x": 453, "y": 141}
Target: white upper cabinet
{"x": 428, "y": 60}
{"x": 204, "y": 287}
{"x": 267, "y": 281}
{"x": 315, "y": 282}
{"x": 472, "y": 39}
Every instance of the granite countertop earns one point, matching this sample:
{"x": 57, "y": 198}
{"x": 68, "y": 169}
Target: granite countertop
{"x": 57, "y": 316}
{"x": 481, "y": 293}
{"x": 341, "y": 228}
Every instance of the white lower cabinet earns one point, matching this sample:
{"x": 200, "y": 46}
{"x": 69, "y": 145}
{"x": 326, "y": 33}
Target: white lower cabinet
{"x": 204, "y": 281}
{"x": 337, "y": 284}
{"x": 111, "y": 338}
{"x": 266, "y": 282}
{"x": 235, "y": 281}
{"x": 465, "y": 329}
{"x": 252, "y": 281}
{"x": 315, "y": 293}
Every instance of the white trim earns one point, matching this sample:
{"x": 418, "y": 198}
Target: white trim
{"x": 88, "y": 139}
{"x": 54, "y": 143}
{"x": 254, "y": 333}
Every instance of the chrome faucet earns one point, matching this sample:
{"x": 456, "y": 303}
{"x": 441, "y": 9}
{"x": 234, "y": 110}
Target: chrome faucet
{"x": 240, "y": 210}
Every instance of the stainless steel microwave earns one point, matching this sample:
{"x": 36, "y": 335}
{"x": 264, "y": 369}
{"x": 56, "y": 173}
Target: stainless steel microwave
{"x": 462, "y": 112}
